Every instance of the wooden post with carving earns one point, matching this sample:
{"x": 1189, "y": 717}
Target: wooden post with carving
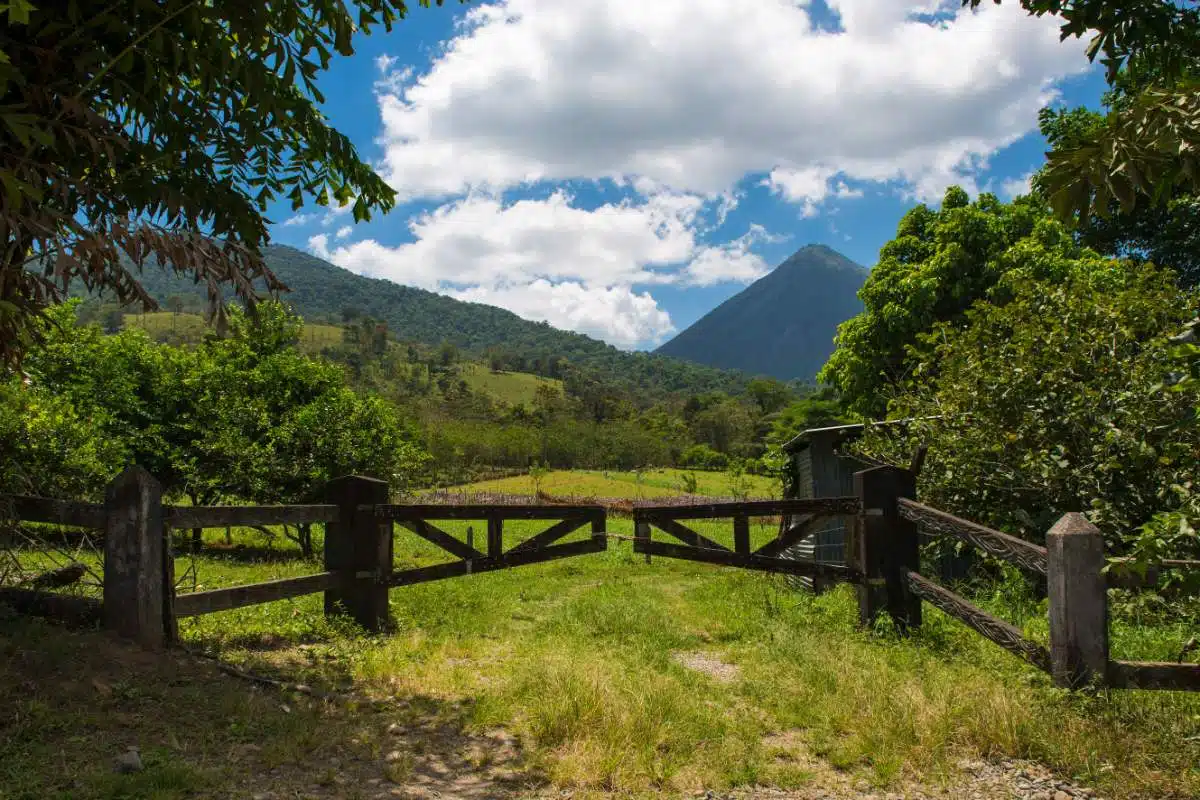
{"x": 1077, "y": 590}
{"x": 884, "y": 547}
{"x": 359, "y": 543}
{"x": 137, "y": 590}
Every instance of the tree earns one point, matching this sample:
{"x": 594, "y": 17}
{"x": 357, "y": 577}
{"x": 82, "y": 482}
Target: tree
{"x": 201, "y": 114}
{"x": 819, "y": 410}
{"x": 1167, "y": 234}
{"x": 1056, "y": 401}
{"x": 770, "y": 394}
{"x": 242, "y": 417}
{"x": 1149, "y": 146}
{"x": 49, "y": 448}
{"x": 941, "y": 263}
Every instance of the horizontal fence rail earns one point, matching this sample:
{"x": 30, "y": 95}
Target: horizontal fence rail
{"x": 206, "y": 602}
{"x": 234, "y": 516}
{"x": 755, "y": 508}
{"x": 479, "y": 512}
{"x": 513, "y": 558}
{"x": 992, "y": 628}
{"x": 1123, "y": 575}
{"x": 1175, "y": 676}
{"x": 1002, "y": 545}
{"x": 71, "y": 609}
{"x": 57, "y": 512}
{"x": 697, "y": 547}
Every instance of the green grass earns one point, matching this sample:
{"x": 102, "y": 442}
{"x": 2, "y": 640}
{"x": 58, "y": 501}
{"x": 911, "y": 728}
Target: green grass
{"x": 614, "y": 483}
{"x": 186, "y": 328}
{"x": 576, "y": 658}
{"x": 514, "y": 388}
{"x": 167, "y": 326}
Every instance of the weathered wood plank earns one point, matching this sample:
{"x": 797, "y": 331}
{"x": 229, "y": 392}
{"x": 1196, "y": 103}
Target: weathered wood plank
{"x": 196, "y": 603}
{"x": 495, "y": 537}
{"x": 1078, "y": 600}
{"x": 427, "y": 511}
{"x": 57, "y": 512}
{"x": 795, "y": 533}
{"x": 1167, "y": 675}
{"x": 65, "y": 608}
{"x": 233, "y": 516}
{"x": 757, "y": 508}
{"x": 731, "y": 559}
{"x": 641, "y": 536}
{"x": 135, "y": 581}
{"x": 682, "y": 532}
{"x": 741, "y": 536}
{"x": 456, "y": 568}
{"x": 552, "y": 534}
{"x": 1020, "y": 552}
{"x": 435, "y": 535}
{"x": 983, "y": 623}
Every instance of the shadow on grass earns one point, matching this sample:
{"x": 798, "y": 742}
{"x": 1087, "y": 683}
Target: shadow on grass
{"x": 244, "y": 554}
{"x": 76, "y": 700}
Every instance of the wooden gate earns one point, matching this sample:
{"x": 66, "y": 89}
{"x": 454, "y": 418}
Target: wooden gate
{"x": 802, "y": 517}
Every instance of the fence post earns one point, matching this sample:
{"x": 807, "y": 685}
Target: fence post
{"x": 641, "y": 533}
{"x": 358, "y": 542}
{"x": 136, "y": 599}
{"x": 885, "y": 547}
{"x": 1078, "y": 596}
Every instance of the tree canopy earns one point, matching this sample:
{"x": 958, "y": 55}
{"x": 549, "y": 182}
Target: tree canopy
{"x": 1057, "y": 401}
{"x": 1148, "y": 146}
{"x": 164, "y": 129}
{"x": 1167, "y": 234}
{"x": 243, "y": 417}
{"x": 939, "y": 265}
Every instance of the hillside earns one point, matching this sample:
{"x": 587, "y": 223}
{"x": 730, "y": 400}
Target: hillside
{"x": 513, "y": 388}
{"x": 782, "y": 324}
{"x": 322, "y": 291}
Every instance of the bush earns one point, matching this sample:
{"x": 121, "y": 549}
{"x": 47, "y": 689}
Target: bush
{"x": 701, "y": 456}
{"x": 1054, "y": 402}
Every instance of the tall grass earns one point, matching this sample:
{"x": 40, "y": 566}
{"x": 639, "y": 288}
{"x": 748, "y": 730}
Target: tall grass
{"x": 578, "y": 659}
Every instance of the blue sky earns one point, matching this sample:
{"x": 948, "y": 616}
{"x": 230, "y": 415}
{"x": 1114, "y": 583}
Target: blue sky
{"x": 621, "y": 168}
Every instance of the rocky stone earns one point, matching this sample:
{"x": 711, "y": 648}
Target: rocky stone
{"x": 129, "y": 761}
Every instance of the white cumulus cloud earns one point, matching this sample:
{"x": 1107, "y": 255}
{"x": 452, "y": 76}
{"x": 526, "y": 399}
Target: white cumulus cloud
{"x": 547, "y": 259}
{"x": 697, "y": 94}
{"x": 686, "y": 105}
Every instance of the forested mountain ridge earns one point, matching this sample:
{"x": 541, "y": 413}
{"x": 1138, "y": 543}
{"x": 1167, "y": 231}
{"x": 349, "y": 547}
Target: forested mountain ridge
{"x": 782, "y": 324}
{"x": 323, "y": 291}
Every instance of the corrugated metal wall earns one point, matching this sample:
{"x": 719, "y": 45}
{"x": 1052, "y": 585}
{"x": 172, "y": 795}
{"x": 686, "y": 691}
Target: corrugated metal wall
{"x": 820, "y": 471}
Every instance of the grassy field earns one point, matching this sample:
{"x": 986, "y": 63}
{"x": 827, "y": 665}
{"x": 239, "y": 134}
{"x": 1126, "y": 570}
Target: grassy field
{"x": 601, "y": 675}
{"x": 613, "y": 483}
{"x": 514, "y": 388}
{"x": 184, "y": 328}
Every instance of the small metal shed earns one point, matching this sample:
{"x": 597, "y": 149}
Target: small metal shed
{"x": 818, "y": 467}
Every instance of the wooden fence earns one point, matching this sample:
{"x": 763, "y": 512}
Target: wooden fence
{"x": 1073, "y": 563}
{"x": 139, "y": 600}
{"x": 806, "y": 515}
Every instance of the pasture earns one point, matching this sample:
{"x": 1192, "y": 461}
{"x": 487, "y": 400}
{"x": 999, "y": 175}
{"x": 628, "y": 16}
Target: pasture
{"x": 648, "y": 484}
{"x": 514, "y": 388}
{"x": 601, "y": 675}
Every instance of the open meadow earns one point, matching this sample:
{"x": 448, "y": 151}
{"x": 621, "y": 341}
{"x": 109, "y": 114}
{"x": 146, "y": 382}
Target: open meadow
{"x": 644, "y": 485}
{"x": 602, "y": 675}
